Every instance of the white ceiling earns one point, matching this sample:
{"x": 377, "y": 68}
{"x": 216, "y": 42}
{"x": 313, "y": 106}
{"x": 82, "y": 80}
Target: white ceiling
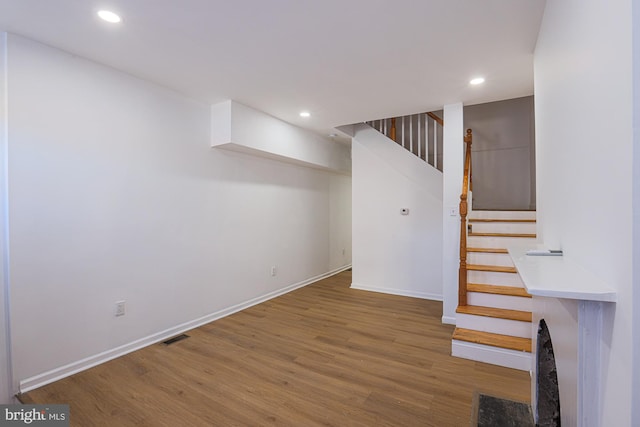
{"x": 345, "y": 61}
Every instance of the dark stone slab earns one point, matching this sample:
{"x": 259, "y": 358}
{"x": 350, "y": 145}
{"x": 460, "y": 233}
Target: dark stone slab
{"x": 497, "y": 412}
{"x": 547, "y": 380}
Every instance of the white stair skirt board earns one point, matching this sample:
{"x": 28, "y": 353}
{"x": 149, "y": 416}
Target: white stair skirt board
{"x": 503, "y": 214}
{"x": 494, "y": 278}
{"x": 448, "y": 320}
{"x": 487, "y": 258}
{"x": 520, "y": 360}
{"x": 503, "y": 227}
{"x": 507, "y": 302}
{"x": 514, "y": 328}
{"x": 496, "y": 242}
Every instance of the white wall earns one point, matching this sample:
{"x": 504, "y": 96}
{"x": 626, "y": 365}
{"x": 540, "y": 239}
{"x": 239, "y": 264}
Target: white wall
{"x": 453, "y": 147}
{"x": 6, "y": 388}
{"x": 583, "y": 106}
{"x": 116, "y": 194}
{"x": 339, "y": 221}
{"x": 503, "y": 154}
{"x": 635, "y": 396}
{"x": 394, "y": 253}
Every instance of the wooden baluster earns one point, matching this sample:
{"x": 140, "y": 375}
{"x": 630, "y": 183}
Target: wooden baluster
{"x": 467, "y": 138}
{"x": 462, "y": 271}
{"x": 392, "y": 134}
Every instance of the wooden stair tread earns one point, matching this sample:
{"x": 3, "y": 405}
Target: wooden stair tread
{"x": 495, "y": 340}
{"x": 499, "y": 313}
{"x": 494, "y": 268}
{"x": 527, "y": 235}
{"x": 488, "y": 250}
{"x": 498, "y": 290}
{"x": 499, "y": 220}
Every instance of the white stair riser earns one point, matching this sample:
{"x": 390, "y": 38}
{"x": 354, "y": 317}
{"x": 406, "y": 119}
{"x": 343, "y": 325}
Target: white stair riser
{"x": 503, "y": 227}
{"x": 499, "y": 301}
{"x": 514, "y": 328}
{"x": 496, "y": 242}
{"x": 520, "y": 360}
{"x": 487, "y": 258}
{"x": 503, "y": 214}
{"x": 494, "y": 278}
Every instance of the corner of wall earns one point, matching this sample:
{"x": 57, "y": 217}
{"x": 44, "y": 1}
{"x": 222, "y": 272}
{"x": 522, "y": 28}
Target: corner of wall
{"x": 221, "y": 123}
{"x": 452, "y": 181}
{"x": 635, "y": 386}
{"x": 6, "y": 381}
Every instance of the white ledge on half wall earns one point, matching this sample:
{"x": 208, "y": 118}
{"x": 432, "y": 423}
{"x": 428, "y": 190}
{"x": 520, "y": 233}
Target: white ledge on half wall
{"x": 557, "y": 277}
{"x": 240, "y": 128}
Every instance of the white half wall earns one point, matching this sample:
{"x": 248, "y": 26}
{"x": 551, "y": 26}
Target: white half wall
{"x": 395, "y": 253}
{"x": 583, "y": 67}
{"x": 116, "y": 194}
{"x": 6, "y": 386}
{"x": 453, "y": 168}
{"x": 240, "y": 128}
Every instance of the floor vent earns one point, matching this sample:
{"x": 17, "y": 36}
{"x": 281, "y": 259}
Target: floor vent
{"x": 175, "y": 339}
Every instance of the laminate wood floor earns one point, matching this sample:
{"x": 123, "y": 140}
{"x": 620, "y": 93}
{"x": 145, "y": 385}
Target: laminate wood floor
{"x": 324, "y": 355}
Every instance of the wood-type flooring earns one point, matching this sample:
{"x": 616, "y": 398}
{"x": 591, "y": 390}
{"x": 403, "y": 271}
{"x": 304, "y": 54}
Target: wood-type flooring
{"x": 323, "y": 355}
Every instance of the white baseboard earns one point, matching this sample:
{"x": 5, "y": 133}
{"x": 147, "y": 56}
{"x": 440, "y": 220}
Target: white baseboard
{"x": 448, "y": 320}
{"x": 400, "y": 292}
{"x": 97, "y": 359}
{"x": 520, "y": 360}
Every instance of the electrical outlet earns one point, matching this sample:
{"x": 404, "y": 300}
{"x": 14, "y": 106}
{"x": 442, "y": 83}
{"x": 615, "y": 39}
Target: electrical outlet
{"x": 120, "y": 308}
{"x": 343, "y": 252}
{"x": 274, "y": 271}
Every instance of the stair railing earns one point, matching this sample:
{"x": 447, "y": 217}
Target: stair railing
{"x": 419, "y": 133}
{"x": 466, "y": 186}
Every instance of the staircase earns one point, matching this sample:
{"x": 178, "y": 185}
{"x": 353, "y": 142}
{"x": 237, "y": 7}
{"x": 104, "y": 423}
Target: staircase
{"x": 494, "y": 312}
{"x": 494, "y": 326}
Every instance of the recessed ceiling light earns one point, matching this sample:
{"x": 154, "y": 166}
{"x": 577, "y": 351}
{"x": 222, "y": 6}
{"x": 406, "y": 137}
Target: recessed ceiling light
{"x": 109, "y": 16}
{"x": 477, "y": 81}
{"x": 333, "y": 135}
{"x": 305, "y": 114}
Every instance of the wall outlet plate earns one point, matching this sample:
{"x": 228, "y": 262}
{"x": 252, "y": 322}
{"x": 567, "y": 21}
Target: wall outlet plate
{"x": 120, "y": 306}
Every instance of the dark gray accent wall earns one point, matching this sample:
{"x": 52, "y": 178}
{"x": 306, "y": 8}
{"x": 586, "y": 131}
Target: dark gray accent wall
{"x": 503, "y": 154}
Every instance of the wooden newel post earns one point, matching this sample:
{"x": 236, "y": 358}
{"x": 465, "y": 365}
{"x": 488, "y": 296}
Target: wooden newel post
{"x": 392, "y": 133}
{"x": 462, "y": 271}
{"x": 466, "y": 183}
{"x": 468, "y": 139}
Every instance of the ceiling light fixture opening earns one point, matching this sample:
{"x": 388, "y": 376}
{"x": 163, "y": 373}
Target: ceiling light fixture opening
{"x": 109, "y": 16}
{"x": 305, "y": 114}
{"x": 477, "y": 81}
